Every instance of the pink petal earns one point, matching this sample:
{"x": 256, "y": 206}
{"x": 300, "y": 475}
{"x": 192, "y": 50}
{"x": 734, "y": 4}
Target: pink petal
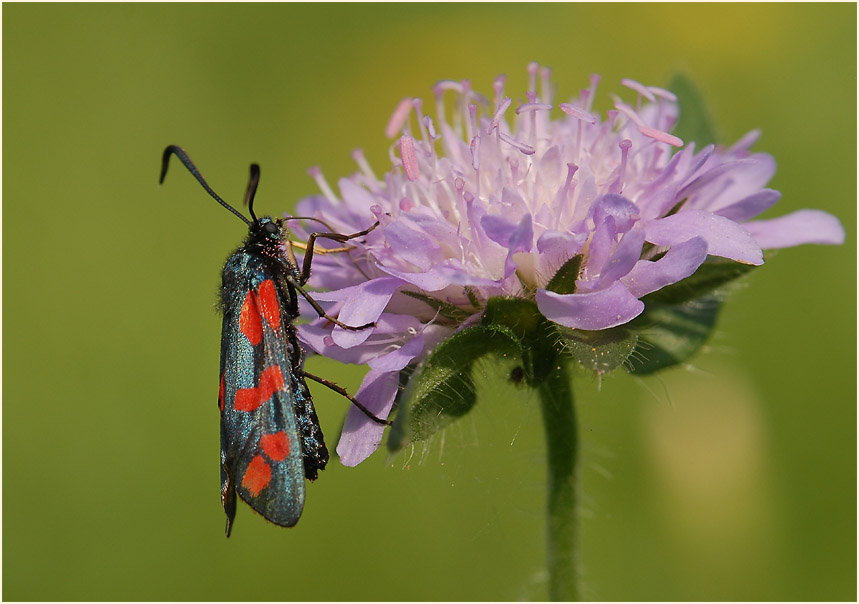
{"x": 797, "y": 228}
{"x": 750, "y": 206}
{"x": 624, "y": 257}
{"x": 522, "y": 239}
{"x": 597, "y": 310}
{"x": 681, "y": 261}
{"x": 362, "y": 304}
{"x": 389, "y": 328}
{"x": 356, "y": 197}
{"x": 724, "y": 237}
{"x": 516, "y": 238}
{"x": 557, "y": 247}
{"x": 398, "y": 358}
{"x": 361, "y": 435}
{"x": 599, "y": 250}
{"x": 440, "y": 277}
{"x": 413, "y": 246}
{"x": 624, "y": 212}
{"x": 498, "y": 229}
{"x": 729, "y": 182}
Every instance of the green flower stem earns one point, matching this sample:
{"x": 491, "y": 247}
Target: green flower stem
{"x": 559, "y": 420}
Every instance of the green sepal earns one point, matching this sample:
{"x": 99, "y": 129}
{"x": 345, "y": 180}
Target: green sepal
{"x": 600, "y": 351}
{"x": 472, "y": 296}
{"x": 678, "y": 319}
{"x": 710, "y": 276}
{"x": 446, "y": 309}
{"x": 694, "y": 122}
{"x": 564, "y": 281}
{"x": 537, "y": 334}
{"x": 442, "y": 389}
{"x": 669, "y": 334}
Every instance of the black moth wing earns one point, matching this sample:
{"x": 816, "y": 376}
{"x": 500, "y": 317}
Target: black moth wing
{"x": 270, "y": 435}
{"x": 312, "y": 441}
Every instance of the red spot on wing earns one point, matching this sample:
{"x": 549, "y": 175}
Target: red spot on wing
{"x": 276, "y": 445}
{"x": 249, "y": 320}
{"x": 270, "y": 305}
{"x": 249, "y": 399}
{"x": 270, "y": 381}
{"x": 257, "y": 476}
{"x": 221, "y": 394}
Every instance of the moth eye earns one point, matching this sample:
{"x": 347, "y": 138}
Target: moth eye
{"x": 271, "y": 228}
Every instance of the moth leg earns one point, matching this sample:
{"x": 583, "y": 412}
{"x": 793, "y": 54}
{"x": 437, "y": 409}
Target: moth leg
{"x": 322, "y": 250}
{"x": 321, "y": 311}
{"x": 290, "y": 250}
{"x": 342, "y": 391}
{"x": 311, "y": 242}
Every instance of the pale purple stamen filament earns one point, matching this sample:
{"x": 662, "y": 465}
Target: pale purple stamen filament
{"x": 398, "y": 118}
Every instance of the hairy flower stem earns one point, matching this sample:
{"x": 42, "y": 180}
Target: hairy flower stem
{"x": 559, "y": 420}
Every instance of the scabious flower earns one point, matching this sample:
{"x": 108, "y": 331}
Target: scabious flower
{"x": 492, "y": 198}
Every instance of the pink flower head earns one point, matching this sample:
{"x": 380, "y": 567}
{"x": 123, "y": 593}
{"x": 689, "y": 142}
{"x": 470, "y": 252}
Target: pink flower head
{"x": 493, "y": 199}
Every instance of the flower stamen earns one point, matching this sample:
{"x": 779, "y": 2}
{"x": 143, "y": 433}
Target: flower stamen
{"x": 498, "y": 87}
{"x": 409, "y": 158}
{"x": 617, "y": 186}
{"x": 499, "y": 113}
{"x": 546, "y": 85}
{"x": 399, "y": 118}
{"x": 520, "y": 146}
{"x": 316, "y": 173}
{"x": 369, "y": 176}
{"x": 533, "y": 68}
{"x": 438, "y": 90}
{"x": 416, "y": 103}
{"x": 646, "y": 130}
{"x": 642, "y": 91}
{"x": 589, "y": 94}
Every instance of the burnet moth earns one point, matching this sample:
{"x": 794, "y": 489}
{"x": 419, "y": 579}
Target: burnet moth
{"x": 271, "y": 439}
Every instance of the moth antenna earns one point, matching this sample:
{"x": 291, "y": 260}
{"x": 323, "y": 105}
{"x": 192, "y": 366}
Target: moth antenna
{"x": 319, "y": 220}
{"x": 253, "y": 183}
{"x": 183, "y": 157}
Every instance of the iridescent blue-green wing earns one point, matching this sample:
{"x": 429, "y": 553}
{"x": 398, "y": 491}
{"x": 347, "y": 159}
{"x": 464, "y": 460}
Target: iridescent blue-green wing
{"x": 261, "y": 449}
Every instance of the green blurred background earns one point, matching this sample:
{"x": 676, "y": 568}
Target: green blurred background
{"x": 734, "y": 479}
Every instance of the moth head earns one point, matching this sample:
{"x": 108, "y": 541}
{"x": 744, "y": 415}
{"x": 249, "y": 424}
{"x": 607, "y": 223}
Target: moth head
{"x": 269, "y": 228}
